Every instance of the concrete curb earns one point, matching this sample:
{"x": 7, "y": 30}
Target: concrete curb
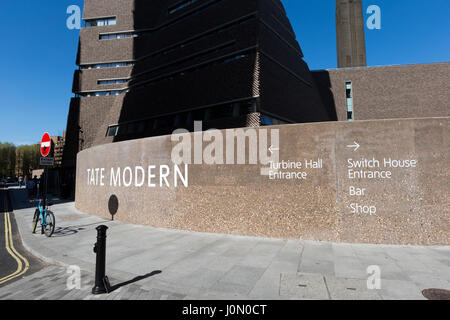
{"x": 34, "y": 252}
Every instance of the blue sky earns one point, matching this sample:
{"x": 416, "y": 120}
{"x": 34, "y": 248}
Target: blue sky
{"x": 38, "y": 53}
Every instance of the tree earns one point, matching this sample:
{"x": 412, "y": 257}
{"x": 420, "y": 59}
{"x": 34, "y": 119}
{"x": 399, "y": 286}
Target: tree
{"x": 27, "y": 158}
{"x": 7, "y": 160}
{"x": 16, "y": 161}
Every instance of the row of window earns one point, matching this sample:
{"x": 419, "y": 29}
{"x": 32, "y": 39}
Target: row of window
{"x": 166, "y": 77}
{"x": 107, "y": 65}
{"x": 167, "y": 124}
{"x": 199, "y": 38}
{"x": 186, "y": 71}
{"x": 182, "y": 45}
{"x": 116, "y": 81}
{"x": 101, "y": 22}
{"x": 182, "y": 61}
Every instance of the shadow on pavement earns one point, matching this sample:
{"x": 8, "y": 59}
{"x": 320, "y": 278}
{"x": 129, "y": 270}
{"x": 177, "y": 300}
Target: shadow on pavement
{"x": 139, "y": 278}
{"x": 64, "y": 232}
{"x": 71, "y": 230}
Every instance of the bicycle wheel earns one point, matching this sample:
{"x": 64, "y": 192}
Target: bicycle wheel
{"x": 50, "y": 226}
{"x": 36, "y": 219}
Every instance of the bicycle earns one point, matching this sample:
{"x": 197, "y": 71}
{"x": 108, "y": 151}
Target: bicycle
{"x": 46, "y": 218}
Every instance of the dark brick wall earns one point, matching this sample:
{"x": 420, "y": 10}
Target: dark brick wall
{"x": 215, "y": 84}
{"x": 287, "y": 88}
{"x": 283, "y": 95}
{"x": 72, "y": 134}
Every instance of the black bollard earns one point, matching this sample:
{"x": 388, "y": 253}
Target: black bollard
{"x": 100, "y": 250}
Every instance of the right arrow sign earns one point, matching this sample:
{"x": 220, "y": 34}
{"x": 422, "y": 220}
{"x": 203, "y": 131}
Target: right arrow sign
{"x": 355, "y": 146}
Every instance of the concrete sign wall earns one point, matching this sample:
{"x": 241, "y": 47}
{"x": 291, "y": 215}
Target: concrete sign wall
{"x": 370, "y": 181}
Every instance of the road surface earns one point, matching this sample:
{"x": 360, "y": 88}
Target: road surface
{"x": 15, "y": 261}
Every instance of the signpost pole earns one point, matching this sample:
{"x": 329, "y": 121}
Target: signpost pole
{"x": 46, "y": 146}
{"x": 46, "y": 187}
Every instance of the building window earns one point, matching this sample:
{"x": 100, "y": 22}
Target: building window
{"x": 115, "y": 81}
{"x": 101, "y": 93}
{"x": 121, "y": 35}
{"x": 236, "y": 110}
{"x": 181, "y": 5}
{"x": 349, "y": 100}
{"x": 107, "y": 65}
{"x": 132, "y": 128}
{"x": 112, "y": 131}
{"x": 266, "y": 120}
{"x": 101, "y": 22}
{"x": 239, "y": 57}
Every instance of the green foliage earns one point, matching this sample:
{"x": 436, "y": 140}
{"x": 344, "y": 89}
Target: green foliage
{"x": 18, "y": 161}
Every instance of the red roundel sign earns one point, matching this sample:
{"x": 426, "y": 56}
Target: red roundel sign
{"x": 46, "y": 144}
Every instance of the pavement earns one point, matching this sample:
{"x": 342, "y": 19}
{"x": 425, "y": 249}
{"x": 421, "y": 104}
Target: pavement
{"x": 149, "y": 263}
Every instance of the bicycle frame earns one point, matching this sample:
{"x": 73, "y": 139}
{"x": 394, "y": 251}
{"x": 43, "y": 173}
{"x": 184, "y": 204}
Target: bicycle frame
{"x": 43, "y": 213}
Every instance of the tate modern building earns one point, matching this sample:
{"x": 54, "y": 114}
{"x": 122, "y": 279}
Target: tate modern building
{"x": 147, "y": 68}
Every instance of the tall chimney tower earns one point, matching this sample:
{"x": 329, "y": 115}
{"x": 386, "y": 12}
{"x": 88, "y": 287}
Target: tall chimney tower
{"x": 351, "y": 46}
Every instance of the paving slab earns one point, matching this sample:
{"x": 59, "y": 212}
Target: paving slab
{"x": 325, "y": 267}
{"x": 310, "y": 287}
{"x": 350, "y": 289}
{"x": 400, "y": 290}
{"x": 267, "y": 287}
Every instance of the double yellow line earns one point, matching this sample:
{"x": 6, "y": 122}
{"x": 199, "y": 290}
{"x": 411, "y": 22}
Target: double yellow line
{"x": 22, "y": 263}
